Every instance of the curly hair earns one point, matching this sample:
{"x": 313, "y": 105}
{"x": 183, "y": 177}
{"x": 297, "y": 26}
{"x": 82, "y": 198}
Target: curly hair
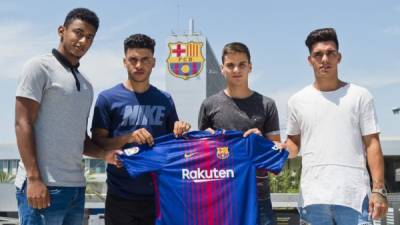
{"x": 83, "y": 14}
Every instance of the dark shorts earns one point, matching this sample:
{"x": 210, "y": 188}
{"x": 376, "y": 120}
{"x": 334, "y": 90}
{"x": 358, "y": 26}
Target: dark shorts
{"x": 265, "y": 214}
{"x": 120, "y": 211}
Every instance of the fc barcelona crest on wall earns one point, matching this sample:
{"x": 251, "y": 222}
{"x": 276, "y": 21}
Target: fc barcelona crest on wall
{"x": 185, "y": 60}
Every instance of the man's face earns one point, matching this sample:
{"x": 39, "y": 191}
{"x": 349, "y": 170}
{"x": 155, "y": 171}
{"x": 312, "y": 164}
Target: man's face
{"x": 139, "y": 63}
{"x": 76, "y": 38}
{"x": 324, "y": 58}
{"x": 236, "y": 68}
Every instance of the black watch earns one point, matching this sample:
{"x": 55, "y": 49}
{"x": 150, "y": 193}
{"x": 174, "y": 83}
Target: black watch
{"x": 381, "y": 191}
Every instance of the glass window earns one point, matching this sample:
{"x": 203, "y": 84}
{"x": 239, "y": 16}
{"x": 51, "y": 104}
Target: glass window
{"x": 97, "y": 166}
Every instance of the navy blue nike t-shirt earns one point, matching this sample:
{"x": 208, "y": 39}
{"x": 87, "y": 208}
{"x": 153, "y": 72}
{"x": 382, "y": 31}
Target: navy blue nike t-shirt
{"x": 121, "y": 111}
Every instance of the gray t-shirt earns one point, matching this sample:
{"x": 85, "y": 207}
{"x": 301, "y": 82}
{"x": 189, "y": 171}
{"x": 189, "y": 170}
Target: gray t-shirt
{"x": 220, "y": 111}
{"x": 60, "y": 127}
{"x": 256, "y": 111}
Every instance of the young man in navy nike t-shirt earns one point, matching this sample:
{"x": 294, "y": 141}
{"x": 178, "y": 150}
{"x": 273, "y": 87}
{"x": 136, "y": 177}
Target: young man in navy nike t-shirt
{"x": 133, "y": 112}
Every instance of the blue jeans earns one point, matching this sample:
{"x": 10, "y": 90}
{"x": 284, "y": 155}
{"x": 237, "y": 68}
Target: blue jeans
{"x": 322, "y": 214}
{"x": 67, "y": 206}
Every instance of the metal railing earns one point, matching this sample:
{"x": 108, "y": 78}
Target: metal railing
{"x": 8, "y": 221}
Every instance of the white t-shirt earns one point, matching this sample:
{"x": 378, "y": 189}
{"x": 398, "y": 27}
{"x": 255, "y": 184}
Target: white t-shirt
{"x": 331, "y": 125}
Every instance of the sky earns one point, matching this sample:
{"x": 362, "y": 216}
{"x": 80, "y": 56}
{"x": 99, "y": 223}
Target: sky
{"x": 274, "y": 31}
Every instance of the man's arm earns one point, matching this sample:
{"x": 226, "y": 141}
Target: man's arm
{"x": 274, "y": 137}
{"x": 378, "y": 203}
{"x": 101, "y": 138}
{"x": 26, "y": 111}
{"x": 293, "y": 145}
{"x": 93, "y": 150}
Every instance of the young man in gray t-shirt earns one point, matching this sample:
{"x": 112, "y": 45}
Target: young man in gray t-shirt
{"x": 240, "y": 108}
{"x": 53, "y": 101}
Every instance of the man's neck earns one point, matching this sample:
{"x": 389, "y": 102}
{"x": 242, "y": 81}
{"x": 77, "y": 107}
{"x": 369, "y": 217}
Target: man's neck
{"x": 238, "y": 92}
{"x": 328, "y": 84}
{"x": 138, "y": 87}
{"x": 73, "y": 60}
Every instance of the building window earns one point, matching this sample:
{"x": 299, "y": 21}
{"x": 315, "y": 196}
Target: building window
{"x": 97, "y": 166}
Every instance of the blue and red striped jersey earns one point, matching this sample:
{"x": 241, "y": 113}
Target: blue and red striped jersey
{"x": 205, "y": 179}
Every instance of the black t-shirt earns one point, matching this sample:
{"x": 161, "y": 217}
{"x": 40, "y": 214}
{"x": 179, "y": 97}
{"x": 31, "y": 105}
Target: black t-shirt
{"x": 256, "y": 111}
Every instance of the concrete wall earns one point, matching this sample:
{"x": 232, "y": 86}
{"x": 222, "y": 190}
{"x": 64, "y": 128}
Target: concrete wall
{"x": 8, "y": 202}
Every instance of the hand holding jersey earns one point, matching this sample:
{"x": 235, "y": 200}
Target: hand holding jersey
{"x": 180, "y": 127}
{"x": 252, "y": 131}
{"x": 111, "y": 157}
{"x": 142, "y": 136}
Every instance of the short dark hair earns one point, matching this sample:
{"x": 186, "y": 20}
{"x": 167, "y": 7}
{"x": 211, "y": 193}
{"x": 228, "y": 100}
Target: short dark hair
{"x": 83, "y": 14}
{"x": 235, "y": 47}
{"x": 321, "y": 35}
{"x": 139, "y": 41}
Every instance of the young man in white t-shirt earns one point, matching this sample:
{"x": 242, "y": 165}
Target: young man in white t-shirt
{"x": 334, "y": 125}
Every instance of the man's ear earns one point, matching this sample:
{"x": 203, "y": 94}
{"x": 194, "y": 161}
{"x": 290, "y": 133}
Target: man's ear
{"x": 309, "y": 60}
{"x": 222, "y": 70}
{"x": 61, "y": 31}
{"x": 124, "y": 61}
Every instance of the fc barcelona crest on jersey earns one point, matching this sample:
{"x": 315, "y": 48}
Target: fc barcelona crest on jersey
{"x": 222, "y": 152}
{"x": 185, "y": 60}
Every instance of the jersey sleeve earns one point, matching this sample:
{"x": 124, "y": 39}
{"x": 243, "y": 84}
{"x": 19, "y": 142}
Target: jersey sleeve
{"x": 265, "y": 154}
{"x": 137, "y": 161}
{"x": 101, "y": 114}
{"x": 33, "y": 81}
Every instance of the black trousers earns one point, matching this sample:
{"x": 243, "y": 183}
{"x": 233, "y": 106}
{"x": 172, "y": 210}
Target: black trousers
{"x": 120, "y": 211}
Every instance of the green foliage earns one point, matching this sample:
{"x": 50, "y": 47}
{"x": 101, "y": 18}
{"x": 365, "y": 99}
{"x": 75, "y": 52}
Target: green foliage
{"x": 6, "y": 177}
{"x": 287, "y": 181}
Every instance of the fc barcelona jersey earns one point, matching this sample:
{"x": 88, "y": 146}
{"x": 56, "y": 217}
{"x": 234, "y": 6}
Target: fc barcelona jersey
{"x": 205, "y": 179}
